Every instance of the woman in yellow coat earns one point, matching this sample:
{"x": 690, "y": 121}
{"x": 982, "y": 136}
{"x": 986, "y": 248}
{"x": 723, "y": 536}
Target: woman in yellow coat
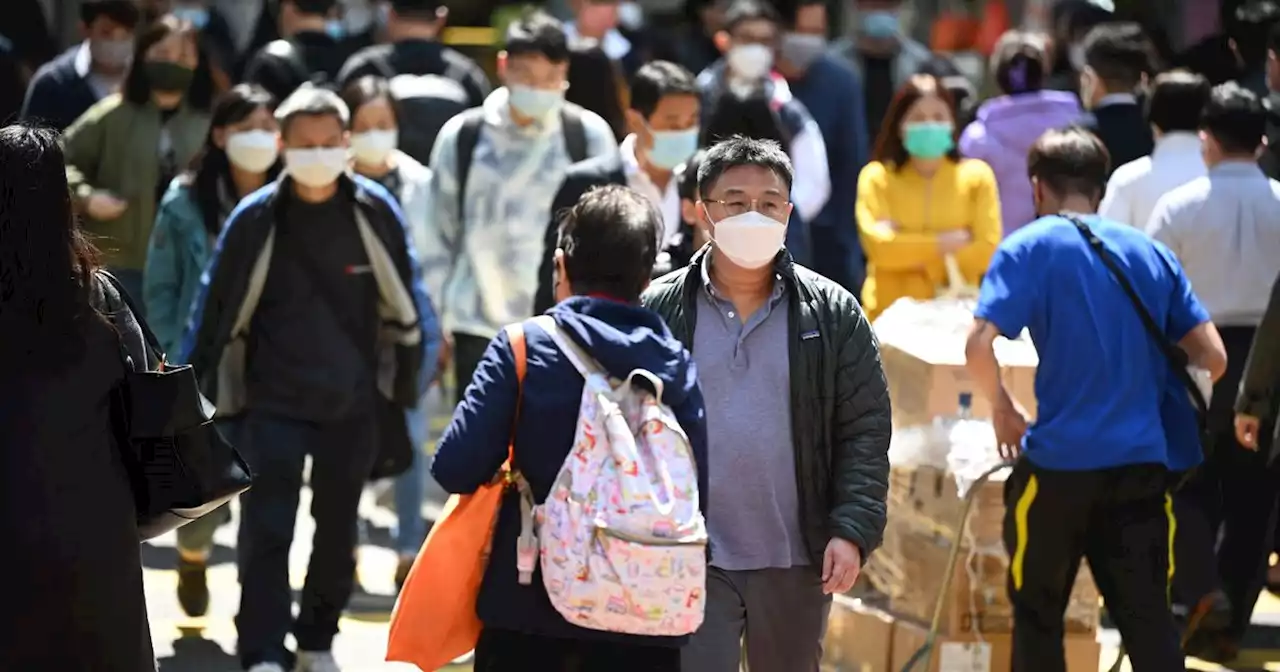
{"x": 919, "y": 202}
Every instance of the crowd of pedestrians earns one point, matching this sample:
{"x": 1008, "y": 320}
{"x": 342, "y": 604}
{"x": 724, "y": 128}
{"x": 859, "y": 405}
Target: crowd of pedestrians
{"x": 326, "y": 212}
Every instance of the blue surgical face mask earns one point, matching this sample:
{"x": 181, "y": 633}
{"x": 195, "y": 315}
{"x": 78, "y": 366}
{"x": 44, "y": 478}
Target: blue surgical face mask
{"x": 535, "y": 103}
{"x": 335, "y": 29}
{"x": 672, "y": 148}
{"x": 880, "y": 24}
{"x": 196, "y": 16}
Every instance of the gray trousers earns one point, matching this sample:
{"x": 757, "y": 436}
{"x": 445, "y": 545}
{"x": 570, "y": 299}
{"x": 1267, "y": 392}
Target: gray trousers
{"x": 781, "y": 614}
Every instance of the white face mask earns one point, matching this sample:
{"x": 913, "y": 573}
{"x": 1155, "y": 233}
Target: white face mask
{"x": 373, "y": 147}
{"x": 316, "y": 167}
{"x": 253, "y": 151}
{"x": 750, "y": 61}
{"x": 750, "y": 240}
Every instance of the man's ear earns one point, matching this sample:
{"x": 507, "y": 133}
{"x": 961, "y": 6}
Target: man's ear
{"x": 502, "y": 64}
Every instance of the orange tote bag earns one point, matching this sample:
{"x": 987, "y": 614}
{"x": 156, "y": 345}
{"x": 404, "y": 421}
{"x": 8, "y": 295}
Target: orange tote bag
{"x": 435, "y": 620}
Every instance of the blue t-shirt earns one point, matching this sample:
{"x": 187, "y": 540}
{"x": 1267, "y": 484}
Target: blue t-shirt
{"x": 1103, "y": 386}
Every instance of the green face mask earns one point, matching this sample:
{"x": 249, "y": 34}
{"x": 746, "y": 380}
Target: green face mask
{"x": 928, "y": 139}
{"x": 168, "y": 77}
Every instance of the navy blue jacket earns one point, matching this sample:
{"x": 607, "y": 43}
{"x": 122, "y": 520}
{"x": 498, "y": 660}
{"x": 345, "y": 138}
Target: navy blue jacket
{"x": 621, "y": 338}
{"x": 58, "y": 95}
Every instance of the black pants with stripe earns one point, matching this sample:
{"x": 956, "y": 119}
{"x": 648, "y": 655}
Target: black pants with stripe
{"x": 1120, "y": 521}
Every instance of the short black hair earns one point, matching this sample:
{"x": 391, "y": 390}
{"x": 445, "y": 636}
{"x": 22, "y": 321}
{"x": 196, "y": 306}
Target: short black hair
{"x": 610, "y": 242}
{"x": 1250, "y": 29}
{"x": 321, "y": 7}
{"x": 1176, "y": 100}
{"x": 137, "y": 89}
{"x": 687, "y": 176}
{"x": 1235, "y": 117}
{"x": 743, "y": 151}
{"x": 1120, "y": 53}
{"x": 124, "y": 12}
{"x": 537, "y": 33}
{"x": 1070, "y": 161}
{"x": 741, "y": 11}
{"x": 656, "y": 80}
{"x": 1273, "y": 39}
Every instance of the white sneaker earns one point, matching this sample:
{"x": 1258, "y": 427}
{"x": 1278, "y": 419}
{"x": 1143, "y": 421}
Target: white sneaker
{"x": 316, "y": 661}
{"x": 464, "y": 658}
{"x": 266, "y": 667}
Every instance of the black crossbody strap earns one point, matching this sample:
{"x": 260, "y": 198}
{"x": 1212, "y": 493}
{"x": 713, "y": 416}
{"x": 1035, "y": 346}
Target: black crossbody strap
{"x": 1177, "y": 358}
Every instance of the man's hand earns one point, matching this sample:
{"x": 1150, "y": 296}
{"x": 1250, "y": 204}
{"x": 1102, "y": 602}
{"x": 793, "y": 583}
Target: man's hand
{"x": 951, "y": 242}
{"x": 841, "y": 564}
{"x": 446, "y": 353}
{"x": 1010, "y": 421}
{"x": 1247, "y": 430}
{"x": 103, "y": 206}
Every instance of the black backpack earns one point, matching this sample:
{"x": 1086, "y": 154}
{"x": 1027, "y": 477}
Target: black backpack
{"x": 426, "y": 102}
{"x": 575, "y": 142}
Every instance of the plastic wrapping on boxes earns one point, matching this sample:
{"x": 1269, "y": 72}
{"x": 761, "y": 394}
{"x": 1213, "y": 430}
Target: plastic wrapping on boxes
{"x": 932, "y": 467}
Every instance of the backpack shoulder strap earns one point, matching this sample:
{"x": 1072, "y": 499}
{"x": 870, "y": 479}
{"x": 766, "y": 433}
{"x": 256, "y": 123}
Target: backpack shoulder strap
{"x": 515, "y": 336}
{"x": 575, "y": 133}
{"x": 468, "y": 137}
{"x": 575, "y": 354}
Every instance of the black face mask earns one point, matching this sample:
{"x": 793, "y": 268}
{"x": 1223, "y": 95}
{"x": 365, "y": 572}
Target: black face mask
{"x": 168, "y": 77}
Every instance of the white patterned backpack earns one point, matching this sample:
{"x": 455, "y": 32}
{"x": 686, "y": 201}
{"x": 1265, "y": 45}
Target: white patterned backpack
{"x": 620, "y": 538}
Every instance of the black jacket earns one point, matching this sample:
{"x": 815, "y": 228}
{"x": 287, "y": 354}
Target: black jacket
{"x": 215, "y": 342}
{"x": 1123, "y": 128}
{"x": 1270, "y": 159}
{"x": 581, "y": 177}
{"x": 283, "y": 65}
{"x": 840, "y": 415}
{"x": 418, "y": 57}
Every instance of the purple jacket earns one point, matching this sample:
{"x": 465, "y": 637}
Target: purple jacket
{"x": 1002, "y": 134}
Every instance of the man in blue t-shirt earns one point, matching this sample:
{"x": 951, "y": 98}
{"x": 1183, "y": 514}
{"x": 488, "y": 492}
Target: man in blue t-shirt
{"x": 1094, "y": 479}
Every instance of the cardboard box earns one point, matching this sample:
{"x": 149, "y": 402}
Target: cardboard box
{"x": 858, "y": 638}
{"x": 989, "y": 653}
{"x": 910, "y": 569}
{"x": 922, "y": 349}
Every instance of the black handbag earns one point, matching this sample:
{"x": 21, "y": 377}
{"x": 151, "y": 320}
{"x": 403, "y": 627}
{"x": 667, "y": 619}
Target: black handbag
{"x": 180, "y": 466}
{"x": 1174, "y": 354}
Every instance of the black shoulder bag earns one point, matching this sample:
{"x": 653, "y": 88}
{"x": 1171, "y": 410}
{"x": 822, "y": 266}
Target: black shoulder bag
{"x": 1175, "y": 355}
{"x": 180, "y": 466}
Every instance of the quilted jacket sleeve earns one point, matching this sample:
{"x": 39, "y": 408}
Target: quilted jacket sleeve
{"x": 861, "y": 430}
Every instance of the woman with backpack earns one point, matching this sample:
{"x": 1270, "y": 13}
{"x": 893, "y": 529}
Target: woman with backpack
{"x": 606, "y": 252}
{"x": 375, "y": 122}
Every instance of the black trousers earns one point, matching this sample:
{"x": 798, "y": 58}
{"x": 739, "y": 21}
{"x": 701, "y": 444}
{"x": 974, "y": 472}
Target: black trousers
{"x": 509, "y": 651}
{"x": 1227, "y": 511}
{"x": 342, "y": 454}
{"x": 468, "y": 350}
{"x": 1116, "y": 518}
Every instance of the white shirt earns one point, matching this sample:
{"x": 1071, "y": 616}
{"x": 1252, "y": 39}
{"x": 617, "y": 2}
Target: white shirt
{"x": 667, "y": 200}
{"x": 1136, "y": 186}
{"x": 614, "y": 45}
{"x": 1225, "y": 229}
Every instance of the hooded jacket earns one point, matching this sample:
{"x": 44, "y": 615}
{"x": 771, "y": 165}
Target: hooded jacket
{"x": 621, "y": 338}
{"x": 1003, "y": 133}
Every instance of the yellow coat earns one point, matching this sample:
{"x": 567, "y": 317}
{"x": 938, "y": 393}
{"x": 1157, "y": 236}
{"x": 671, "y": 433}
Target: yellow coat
{"x": 900, "y": 214}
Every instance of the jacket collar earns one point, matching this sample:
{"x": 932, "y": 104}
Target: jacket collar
{"x": 284, "y": 190}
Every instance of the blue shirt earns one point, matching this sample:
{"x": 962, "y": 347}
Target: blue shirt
{"x": 1103, "y": 386}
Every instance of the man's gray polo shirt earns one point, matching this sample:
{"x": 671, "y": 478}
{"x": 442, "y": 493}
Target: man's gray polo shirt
{"x": 744, "y": 370}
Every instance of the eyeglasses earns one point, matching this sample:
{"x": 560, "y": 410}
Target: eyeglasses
{"x": 771, "y": 206}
